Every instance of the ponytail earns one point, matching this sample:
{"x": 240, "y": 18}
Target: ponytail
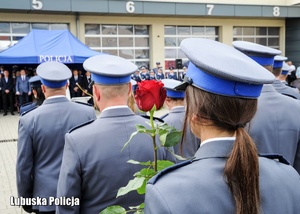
{"x": 242, "y": 174}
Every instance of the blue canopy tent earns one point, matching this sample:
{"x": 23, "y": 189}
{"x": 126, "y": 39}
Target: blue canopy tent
{"x": 44, "y": 45}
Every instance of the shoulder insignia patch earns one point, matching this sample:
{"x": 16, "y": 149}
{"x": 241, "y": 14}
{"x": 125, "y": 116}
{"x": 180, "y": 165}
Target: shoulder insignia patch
{"x": 169, "y": 169}
{"x": 155, "y": 118}
{"x": 29, "y": 110}
{"x": 277, "y": 157}
{"x": 162, "y": 117}
{"x": 81, "y": 125}
{"x": 87, "y": 104}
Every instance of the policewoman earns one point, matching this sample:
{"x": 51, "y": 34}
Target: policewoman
{"x": 39, "y": 97}
{"x": 227, "y": 175}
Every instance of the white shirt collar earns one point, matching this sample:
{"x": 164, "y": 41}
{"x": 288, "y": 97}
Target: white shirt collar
{"x": 216, "y": 139}
{"x": 177, "y": 107}
{"x": 56, "y": 96}
{"x": 115, "y": 107}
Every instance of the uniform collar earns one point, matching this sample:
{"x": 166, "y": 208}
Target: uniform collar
{"x": 216, "y": 148}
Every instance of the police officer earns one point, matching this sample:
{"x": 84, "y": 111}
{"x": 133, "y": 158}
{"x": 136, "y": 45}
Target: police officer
{"x": 152, "y": 75}
{"x": 41, "y": 136}
{"x": 157, "y": 67}
{"x": 275, "y": 127}
{"x": 175, "y": 118}
{"x": 144, "y": 74}
{"x": 159, "y": 75}
{"x": 39, "y": 97}
{"x": 279, "y": 86}
{"x": 226, "y": 176}
{"x": 93, "y": 166}
{"x": 172, "y": 74}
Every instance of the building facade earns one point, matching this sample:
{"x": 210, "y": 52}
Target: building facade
{"x": 150, "y": 31}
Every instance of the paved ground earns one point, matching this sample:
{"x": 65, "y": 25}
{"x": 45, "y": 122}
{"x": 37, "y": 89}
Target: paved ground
{"x": 8, "y": 154}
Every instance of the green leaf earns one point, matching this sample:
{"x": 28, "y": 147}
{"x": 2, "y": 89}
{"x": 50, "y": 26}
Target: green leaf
{"x": 163, "y": 138}
{"x": 178, "y": 157}
{"x": 126, "y": 144}
{"x": 142, "y": 189}
{"x": 132, "y": 185}
{"x": 114, "y": 210}
{"x": 141, "y": 206}
{"x": 146, "y": 173}
{"x": 162, "y": 164}
{"x": 140, "y": 128}
{"x": 148, "y": 163}
{"x": 139, "y": 212}
{"x": 173, "y": 138}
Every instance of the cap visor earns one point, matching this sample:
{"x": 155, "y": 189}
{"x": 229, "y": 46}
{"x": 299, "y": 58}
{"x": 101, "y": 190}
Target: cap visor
{"x": 181, "y": 87}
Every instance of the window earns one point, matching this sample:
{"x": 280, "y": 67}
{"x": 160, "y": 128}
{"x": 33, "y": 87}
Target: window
{"x": 11, "y": 33}
{"x": 128, "y": 41}
{"x": 268, "y": 36}
{"x": 175, "y": 34}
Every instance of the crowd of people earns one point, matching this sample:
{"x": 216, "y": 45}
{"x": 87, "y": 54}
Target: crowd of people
{"x": 241, "y": 135}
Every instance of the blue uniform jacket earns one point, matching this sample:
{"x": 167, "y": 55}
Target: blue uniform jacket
{"x": 94, "y": 167}
{"x": 176, "y": 118}
{"x": 199, "y": 187}
{"x": 41, "y": 144}
{"x": 275, "y": 127}
{"x": 286, "y": 90}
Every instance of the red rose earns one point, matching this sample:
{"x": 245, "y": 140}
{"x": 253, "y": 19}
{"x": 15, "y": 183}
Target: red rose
{"x": 150, "y": 93}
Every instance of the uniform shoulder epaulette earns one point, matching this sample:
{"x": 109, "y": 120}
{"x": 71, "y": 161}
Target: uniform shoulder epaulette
{"x": 154, "y": 118}
{"x": 29, "y": 110}
{"x": 289, "y": 95}
{"x": 81, "y": 125}
{"x": 87, "y": 104}
{"x": 276, "y": 157}
{"x": 169, "y": 169}
{"x": 162, "y": 117}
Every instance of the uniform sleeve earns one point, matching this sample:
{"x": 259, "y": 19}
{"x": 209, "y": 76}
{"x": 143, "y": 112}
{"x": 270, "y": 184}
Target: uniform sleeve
{"x": 24, "y": 166}
{"x": 69, "y": 182}
{"x": 154, "y": 202}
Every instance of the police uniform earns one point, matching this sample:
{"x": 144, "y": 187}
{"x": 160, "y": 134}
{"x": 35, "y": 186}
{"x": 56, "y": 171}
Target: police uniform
{"x": 41, "y": 137}
{"x": 93, "y": 166}
{"x": 279, "y": 86}
{"x": 159, "y": 76}
{"x": 275, "y": 127}
{"x": 35, "y": 82}
{"x": 144, "y": 75}
{"x": 172, "y": 76}
{"x": 175, "y": 118}
{"x": 198, "y": 186}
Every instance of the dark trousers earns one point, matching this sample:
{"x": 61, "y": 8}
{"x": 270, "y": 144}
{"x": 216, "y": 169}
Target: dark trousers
{"x": 8, "y": 100}
{"x": 23, "y": 98}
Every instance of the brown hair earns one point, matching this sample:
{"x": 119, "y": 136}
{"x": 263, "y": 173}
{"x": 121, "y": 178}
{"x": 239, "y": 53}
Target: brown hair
{"x": 276, "y": 71}
{"x": 241, "y": 171}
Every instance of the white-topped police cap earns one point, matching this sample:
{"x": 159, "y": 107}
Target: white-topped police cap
{"x": 109, "y": 70}
{"x": 53, "y": 74}
{"x": 170, "y": 85}
{"x": 285, "y": 69}
{"x": 278, "y": 61}
{"x": 263, "y": 55}
{"x": 221, "y": 69}
{"x": 35, "y": 82}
